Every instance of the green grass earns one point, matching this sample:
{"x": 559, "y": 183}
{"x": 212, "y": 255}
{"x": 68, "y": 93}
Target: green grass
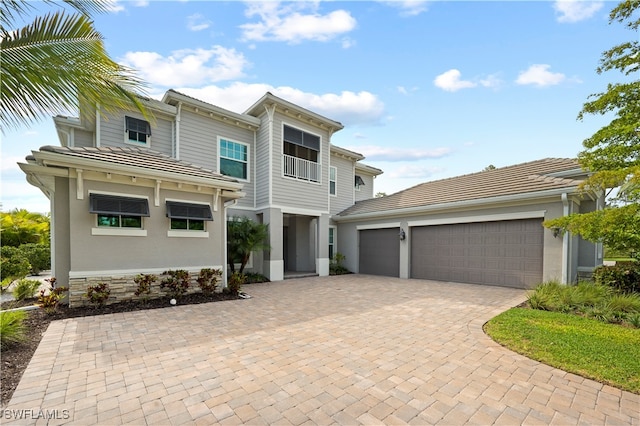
{"x": 11, "y": 327}
{"x": 607, "y": 353}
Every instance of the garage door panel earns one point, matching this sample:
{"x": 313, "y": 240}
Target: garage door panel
{"x": 507, "y": 253}
{"x": 380, "y": 252}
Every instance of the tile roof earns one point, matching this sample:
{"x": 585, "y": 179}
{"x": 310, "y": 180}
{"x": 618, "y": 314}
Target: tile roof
{"x": 138, "y": 158}
{"x": 534, "y": 176}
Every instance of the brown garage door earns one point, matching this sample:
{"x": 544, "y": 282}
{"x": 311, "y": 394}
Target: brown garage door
{"x": 380, "y": 252}
{"x": 507, "y": 253}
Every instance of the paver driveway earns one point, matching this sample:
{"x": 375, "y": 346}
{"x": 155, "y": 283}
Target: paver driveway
{"x": 349, "y": 350}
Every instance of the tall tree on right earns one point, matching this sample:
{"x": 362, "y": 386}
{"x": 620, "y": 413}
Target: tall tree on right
{"x": 612, "y": 154}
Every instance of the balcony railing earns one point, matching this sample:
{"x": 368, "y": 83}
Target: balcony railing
{"x": 300, "y": 168}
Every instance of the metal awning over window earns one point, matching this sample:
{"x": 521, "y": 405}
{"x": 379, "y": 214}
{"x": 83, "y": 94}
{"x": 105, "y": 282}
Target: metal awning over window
{"x": 177, "y": 210}
{"x": 111, "y": 204}
{"x": 359, "y": 181}
{"x": 137, "y": 125}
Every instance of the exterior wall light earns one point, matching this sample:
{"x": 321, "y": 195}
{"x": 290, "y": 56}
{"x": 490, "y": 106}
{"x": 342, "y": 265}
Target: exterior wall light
{"x": 402, "y": 235}
{"x": 556, "y": 232}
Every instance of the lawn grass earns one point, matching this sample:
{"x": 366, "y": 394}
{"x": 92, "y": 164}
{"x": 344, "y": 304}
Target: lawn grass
{"x": 607, "y": 353}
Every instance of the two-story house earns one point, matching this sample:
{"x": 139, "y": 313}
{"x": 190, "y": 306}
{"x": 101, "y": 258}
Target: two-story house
{"x": 130, "y": 196}
{"x": 133, "y": 196}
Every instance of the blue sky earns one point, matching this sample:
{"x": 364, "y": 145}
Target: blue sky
{"x": 426, "y": 89}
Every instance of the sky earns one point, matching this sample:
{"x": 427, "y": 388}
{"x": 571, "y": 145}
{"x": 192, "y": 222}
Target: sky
{"x": 426, "y": 90}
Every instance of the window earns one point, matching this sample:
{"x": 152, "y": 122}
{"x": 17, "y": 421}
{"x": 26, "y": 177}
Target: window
{"x": 332, "y": 180}
{"x": 234, "y": 159}
{"x": 138, "y": 131}
{"x": 118, "y": 212}
{"x": 358, "y": 182}
{"x": 188, "y": 216}
{"x": 332, "y": 244}
{"x": 301, "y": 151}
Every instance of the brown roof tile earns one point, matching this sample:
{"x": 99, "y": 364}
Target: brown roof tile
{"x": 522, "y": 178}
{"x": 139, "y": 158}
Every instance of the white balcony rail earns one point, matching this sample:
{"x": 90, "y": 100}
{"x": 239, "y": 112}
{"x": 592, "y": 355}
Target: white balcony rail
{"x": 300, "y": 168}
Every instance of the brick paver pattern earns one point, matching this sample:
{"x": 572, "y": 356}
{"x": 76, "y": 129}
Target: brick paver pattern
{"x": 347, "y": 350}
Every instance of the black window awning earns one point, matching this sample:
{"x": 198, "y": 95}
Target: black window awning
{"x": 359, "y": 181}
{"x": 137, "y": 125}
{"x": 177, "y": 210}
{"x": 111, "y": 204}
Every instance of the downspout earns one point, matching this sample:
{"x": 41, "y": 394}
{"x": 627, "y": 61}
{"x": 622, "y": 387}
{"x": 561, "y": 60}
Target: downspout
{"x": 255, "y": 168}
{"x": 565, "y": 242}
{"x": 225, "y": 206}
{"x": 177, "y": 133}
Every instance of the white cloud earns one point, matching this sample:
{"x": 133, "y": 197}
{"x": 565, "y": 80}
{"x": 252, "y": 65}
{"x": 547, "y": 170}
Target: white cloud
{"x": 409, "y": 7}
{"x": 539, "y": 75}
{"x": 294, "y": 23}
{"x": 451, "y": 82}
{"x": 392, "y": 153}
{"x": 491, "y": 81}
{"x": 189, "y": 66}
{"x": 576, "y": 10}
{"x": 406, "y": 91}
{"x": 197, "y": 22}
{"x": 349, "y": 108}
{"x": 414, "y": 172}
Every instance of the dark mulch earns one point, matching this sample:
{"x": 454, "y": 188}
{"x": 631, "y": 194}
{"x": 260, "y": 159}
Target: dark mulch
{"x": 15, "y": 358}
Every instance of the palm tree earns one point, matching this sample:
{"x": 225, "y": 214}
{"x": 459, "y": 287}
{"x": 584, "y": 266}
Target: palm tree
{"x": 244, "y": 236}
{"x": 57, "y": 63}
{"x": 21, "y": 226}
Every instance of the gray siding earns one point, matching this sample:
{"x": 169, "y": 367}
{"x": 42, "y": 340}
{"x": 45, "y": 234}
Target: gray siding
{"x": 262, "y": 163}
{"x": 82, "y": 138}
{"x": 365, "y": 191}
{"x": 344, "y": 185}
{"x": 199, "y": 145}
{"x": 295, "y": 193}
{"x": 112, "y": 131}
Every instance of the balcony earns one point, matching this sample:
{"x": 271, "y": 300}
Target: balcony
{"x": 300, "y": 168}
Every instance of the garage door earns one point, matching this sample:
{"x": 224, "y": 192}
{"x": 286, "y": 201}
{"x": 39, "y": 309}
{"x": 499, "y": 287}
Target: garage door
{"x": 380, "y": 252}
{"x": 507, "y": 253}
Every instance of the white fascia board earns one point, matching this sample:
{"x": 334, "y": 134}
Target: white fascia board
{"x": 412, "y": 211}
{"x": 378, "y": 226}
{"x": 352, "y": 155}
{"x": 61, "y": 160}
{"x": 479, "y": 218}
{"x": 43, "y": 170}
{"x": 368, "y": 169}
{"x": 272, "y": 99}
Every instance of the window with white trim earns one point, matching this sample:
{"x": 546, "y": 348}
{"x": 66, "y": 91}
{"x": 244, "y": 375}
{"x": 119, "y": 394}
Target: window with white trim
{"x": 332, "y": 242}
{"x": 301, "y": 151}
{"x": 234, "y": 159}
{"x": 137, "y": 131}
{"x": 118, "y": 212}
{"x": 333, "y": 174}
{"x": 188, "y": 216}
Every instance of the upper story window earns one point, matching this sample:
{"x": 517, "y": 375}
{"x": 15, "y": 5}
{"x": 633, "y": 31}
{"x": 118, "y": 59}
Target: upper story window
{"x": 234, "y": 159}
{"x": 333, "y": 173}
{"x": 118, "y": 212}
{"x": 137, "y": 131}
{"x": 188, "y": 216}
{"x": 358, "y": 182}
{"x": 301, "y": 152}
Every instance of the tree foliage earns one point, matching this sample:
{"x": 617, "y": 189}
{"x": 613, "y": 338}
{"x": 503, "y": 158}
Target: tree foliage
{"x": 612, "y": 154}
{"x": 243, "y": 237}
{"x": 21, "y": 226}
{"x": 57, "y": 63}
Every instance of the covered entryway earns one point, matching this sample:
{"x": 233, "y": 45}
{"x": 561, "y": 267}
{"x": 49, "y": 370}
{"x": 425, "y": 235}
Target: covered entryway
{"x": 379, "y": 252}
{"x": 506, "y": 253}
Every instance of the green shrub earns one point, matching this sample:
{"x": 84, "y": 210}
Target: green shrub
{"x": 588, "y": 294}
{"x": 38, "y": 255}
{"x": 623, "y": 276}
{"x": 12, "y": 327}
{"x": 634, "y": 320}
{"x": 254, "y": 277}
{"x": 208, "y": 280}
{"x": 25, "y": 289}
{"x": 234, "y": 283}
{"x": 144, "y": 282}
{"x": 601, "y": 313}
{"x": 627, "y": 303}
{"x": 176, "y": 283}
{"x": 98, "y": 294}
{"x": 13, "y": 263}
{"x": 546, "y": 296}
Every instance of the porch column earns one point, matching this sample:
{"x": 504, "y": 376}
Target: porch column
{"x": 273, "y": 266}
{"x": 322, "y": 250}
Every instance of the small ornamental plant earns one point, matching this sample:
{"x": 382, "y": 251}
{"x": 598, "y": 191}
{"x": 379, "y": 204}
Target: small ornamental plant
{"x": 208, "y": 280}
{"x": 50, "y": 300}
{"x": 98, "y": 294}
{"x": 144, "y": 282}
{"x": 234, "y": 283}
{"x": 176, "y": 283}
